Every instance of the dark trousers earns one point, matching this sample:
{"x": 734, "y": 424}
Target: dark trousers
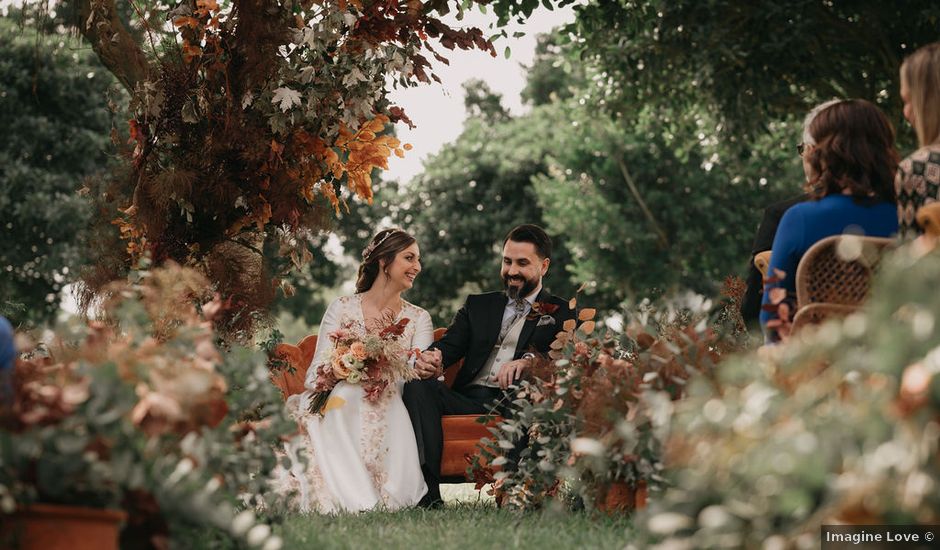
{"x": 427, "y": 401}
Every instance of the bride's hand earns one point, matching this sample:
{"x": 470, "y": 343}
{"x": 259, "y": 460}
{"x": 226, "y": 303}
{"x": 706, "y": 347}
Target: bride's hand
{"x": 428, "y": 364}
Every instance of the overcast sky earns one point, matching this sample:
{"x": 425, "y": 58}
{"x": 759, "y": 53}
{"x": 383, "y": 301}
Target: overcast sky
{"x": 437, "y": 109}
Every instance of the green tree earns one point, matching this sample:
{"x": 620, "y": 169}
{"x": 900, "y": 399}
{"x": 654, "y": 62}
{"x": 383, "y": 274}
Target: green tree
{"x": 55, "y": 123}
{"x": 750, "y": 63}
{"x": 639, "y": 203}
{"x": 469, "y": 196}
{"x": 647, "y": 211}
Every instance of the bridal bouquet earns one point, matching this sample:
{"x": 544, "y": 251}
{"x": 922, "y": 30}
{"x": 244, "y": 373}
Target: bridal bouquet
{"x": 374, "y": 360}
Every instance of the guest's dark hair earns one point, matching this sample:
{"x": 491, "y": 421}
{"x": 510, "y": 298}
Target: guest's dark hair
{"x": 382, "y": 249}
{"x": 531, "y": 233}
{"x": 854, "y": 150}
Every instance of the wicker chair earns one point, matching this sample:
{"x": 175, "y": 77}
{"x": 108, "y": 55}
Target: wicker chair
{"x": 462, "y": 433}
{"x": 830, "y": 285}
{"x": 762, "y": 262}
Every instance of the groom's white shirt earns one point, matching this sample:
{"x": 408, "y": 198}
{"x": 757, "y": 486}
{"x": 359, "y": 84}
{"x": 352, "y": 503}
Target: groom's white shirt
{"x": 504, "y": 351}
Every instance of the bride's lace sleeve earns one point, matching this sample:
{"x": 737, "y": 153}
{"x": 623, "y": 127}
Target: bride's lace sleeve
{"x": 328, "y": 325}
{"x": 424, "y": 331}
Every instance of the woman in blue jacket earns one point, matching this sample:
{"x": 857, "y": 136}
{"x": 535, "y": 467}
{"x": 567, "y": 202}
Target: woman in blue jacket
{"x": 850, "y": 163}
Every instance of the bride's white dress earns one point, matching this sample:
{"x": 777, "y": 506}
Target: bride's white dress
{"x": 360, "y": 454}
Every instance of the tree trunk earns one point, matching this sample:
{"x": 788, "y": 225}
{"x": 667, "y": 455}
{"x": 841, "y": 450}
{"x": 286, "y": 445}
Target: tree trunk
{"x": 118, "y": 50}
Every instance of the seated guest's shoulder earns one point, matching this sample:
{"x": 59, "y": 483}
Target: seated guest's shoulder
{"x": 916, "y": 162}
{"x": 778, "y": 208}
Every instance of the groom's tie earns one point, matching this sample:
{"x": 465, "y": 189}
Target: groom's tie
{"x": 518, "y": 310}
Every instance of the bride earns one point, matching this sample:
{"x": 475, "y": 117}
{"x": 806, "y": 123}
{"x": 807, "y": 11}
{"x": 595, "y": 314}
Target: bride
{"x": 361, "y": 453}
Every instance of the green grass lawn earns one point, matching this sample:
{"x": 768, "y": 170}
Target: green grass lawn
{"x": 469, "y": 521}
{"x": 458, "y": 526}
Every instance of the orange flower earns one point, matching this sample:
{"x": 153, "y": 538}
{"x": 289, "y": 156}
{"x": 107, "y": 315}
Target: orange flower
{"x": 339, "y": 369}
{"x": 358, "y": 350}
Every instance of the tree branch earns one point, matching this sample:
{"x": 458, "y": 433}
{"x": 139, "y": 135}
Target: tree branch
{"x": 117, "y": 49}
{"x": 663, "y": 239}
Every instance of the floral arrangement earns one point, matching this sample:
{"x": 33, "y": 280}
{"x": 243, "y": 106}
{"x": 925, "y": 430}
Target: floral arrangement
{"x": 592, "y": 417}
{"x": 144, "y": 412}
{"x": 374, "y": 360}
{"x": 836, "y": 425}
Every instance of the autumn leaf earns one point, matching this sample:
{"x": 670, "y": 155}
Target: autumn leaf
{"x": 286, "y": 97}
{"x": 569, "y": 325}
{"x": 588, "y": 327}
{"x": 586, "y": 314}
{"x": 186, "y": 21}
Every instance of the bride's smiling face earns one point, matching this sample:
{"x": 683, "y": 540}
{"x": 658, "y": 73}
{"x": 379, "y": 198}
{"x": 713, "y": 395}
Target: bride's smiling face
{"x": 404, "y": 269}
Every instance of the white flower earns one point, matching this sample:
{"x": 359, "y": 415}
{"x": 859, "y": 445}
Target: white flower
{"x": 183, "y": 469}
{"x": 587, "y": 446}
{"x": 274, "y": 543}
{"x": 243, "y": 522}
{"x": 258, "y": 534}
{"x": 350, "y": 362}
{"x": 7, "y": 504}
{"x": 354, "y": 377}
{"x": 668, "y": 523}
{"x": 213, "y": 485}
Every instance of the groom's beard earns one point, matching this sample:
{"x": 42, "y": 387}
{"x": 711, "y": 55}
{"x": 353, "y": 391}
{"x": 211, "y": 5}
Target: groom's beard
{"x": 520, "y": 291}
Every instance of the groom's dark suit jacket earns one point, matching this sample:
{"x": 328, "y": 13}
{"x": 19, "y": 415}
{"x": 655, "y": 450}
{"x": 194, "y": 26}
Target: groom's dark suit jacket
{"x": 475, "y": 329}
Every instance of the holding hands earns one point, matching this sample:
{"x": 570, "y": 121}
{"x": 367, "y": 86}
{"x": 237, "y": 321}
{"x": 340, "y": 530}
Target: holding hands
{"x": 428, "y": 364}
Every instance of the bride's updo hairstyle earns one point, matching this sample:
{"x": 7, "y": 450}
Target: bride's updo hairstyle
{"x": 383, "y": 248}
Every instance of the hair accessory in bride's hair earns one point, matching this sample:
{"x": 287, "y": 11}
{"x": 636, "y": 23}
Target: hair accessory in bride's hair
{"x": 373, "y": 245}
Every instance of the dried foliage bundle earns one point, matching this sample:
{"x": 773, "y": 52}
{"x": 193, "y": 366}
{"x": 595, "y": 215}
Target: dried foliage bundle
{"x": 247, "y": 121}
{"x": 146, "y": 413}
{"x": 592, "y": 415}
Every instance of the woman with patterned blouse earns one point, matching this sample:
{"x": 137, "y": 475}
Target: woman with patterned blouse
{"x": 918, "y": 178}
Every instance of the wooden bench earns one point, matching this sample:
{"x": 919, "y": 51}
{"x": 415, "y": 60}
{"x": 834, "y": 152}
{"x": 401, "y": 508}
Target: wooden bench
{"x": 462, "y": 433}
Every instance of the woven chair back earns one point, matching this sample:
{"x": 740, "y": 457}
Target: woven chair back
{"x": 838, "y": 270}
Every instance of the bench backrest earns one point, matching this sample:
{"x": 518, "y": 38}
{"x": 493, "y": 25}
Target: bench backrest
{"x": 299, "y": 357}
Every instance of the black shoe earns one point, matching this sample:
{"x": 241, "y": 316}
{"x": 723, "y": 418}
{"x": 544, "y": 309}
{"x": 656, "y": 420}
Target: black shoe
{"x": 429, "y": 502}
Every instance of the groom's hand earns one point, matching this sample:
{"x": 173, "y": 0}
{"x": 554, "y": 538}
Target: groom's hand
{"x": 510, "y": 372}
{"x": 428, "y": 364}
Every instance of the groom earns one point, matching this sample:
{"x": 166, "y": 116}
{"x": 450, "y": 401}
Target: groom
{"x": 497, "y": 334}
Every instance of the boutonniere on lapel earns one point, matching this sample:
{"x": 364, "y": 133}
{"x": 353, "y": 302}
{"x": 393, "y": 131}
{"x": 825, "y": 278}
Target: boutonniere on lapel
{"x": 543, "y": 312}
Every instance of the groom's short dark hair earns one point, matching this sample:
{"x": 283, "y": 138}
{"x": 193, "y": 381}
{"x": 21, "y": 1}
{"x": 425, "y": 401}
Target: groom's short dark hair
{"x": 531, "y": 233}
